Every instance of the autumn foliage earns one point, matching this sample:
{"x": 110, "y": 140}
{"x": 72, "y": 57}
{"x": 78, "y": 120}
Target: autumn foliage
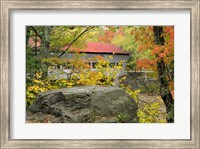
{"x": 144, "y": 37}
{"x": 80, "y": 75}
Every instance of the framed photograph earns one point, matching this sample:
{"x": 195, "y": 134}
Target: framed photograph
{"x": 100, "y": 74}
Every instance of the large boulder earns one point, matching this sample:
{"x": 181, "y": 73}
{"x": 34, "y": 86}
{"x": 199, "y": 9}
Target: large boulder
{"x": 85, "y": 104}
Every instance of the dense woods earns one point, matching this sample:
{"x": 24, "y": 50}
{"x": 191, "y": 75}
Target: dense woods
{"x": 151, "y": 50}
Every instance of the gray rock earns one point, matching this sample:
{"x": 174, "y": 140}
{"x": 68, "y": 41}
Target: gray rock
{"x": 87, "y": 104}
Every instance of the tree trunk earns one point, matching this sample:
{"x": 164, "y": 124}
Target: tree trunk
{"x": 169, "y": 73}
{"x": 35, "y": 48}
{"x": 47, "y": 30}
{"x": 28, "y": 70}
{"x": 164, "y": 87}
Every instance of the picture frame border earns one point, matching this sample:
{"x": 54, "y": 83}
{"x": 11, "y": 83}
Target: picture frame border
{"x": 8, "y": 6}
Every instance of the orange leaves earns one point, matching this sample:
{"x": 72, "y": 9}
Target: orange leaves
{"x": 144, "y": 36}
{"x": 159, "y": 51}
{"x": 161, "y": 55}
{"x": 99, "y": 58}
{"x": 150, "y": 28}
{"x": 156, "y": 49}
{"x": 172, "y": 35}
{"x": 140, "y": 48}
{"x": 171, "y": 88}
{"x": 172, "y": 93}
{"x": 170, "y": 31}
{"x": 146, "y": 63}
{"x": 107, "y": 36}
{"x": 169, "y": 38}
{"x": 171, "y": 85}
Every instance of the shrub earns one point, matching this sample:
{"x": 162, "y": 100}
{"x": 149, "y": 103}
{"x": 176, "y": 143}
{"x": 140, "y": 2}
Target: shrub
{"x": 82, "y": 76}
{"x": 150, "y": 113}
{"x": 147, "y": 112}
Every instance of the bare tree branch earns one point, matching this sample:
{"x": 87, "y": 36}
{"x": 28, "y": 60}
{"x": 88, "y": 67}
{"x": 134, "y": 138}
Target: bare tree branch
{"x": 87, "y": 29}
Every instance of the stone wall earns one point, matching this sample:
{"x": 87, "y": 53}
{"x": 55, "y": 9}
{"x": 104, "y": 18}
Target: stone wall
{"x": 137, "y": 80}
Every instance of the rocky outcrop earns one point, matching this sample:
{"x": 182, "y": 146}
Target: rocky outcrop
{"x": 86, "y": 104}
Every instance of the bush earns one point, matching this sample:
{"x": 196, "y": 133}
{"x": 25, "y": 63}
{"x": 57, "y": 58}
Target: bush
{"x": 150, "y": 113}
{"x": 81, "y": 77}
{"x": 147, "y": 113}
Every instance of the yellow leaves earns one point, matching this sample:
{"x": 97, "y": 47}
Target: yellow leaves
{"x": 110, "y": 57}
{"x": 38, "y": 75}
{"x": 133, "y": 93}
{"x": 147, "y": 112}
{"x": 122, "y": 79}
{"x": 30, "y": 95}
{"x": 42, "y": 89}
{"x": 38, "y": 82}
{"x": 150, "y": 113}
{"x": 102, "y": 75}
{"x": 34, "y": 88}
{"x": 122, "y": 86}
{"x": 82, "y": 75}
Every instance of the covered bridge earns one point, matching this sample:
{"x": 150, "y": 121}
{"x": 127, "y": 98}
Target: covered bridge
{"x": 94, "y": 49}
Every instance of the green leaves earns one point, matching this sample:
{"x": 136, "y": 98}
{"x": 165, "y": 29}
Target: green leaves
{"x": 62, "y": 36}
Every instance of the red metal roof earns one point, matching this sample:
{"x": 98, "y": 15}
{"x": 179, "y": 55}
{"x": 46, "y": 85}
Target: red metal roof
{"x": 98, "y": 47}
